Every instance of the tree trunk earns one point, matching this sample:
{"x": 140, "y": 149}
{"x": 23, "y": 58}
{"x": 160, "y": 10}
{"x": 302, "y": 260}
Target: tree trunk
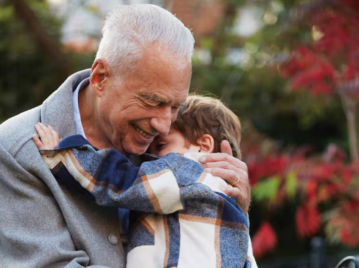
{"x": 349, "y": 105}
{"x": 44, "y": 41}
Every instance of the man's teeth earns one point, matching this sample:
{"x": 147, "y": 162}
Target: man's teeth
{"x": 142, "y": 132}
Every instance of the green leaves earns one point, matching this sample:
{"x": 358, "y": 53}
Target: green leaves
{"x": 6, "y": 13}
{"x": 291, "y": 184}
{"x": 266, "y": 189}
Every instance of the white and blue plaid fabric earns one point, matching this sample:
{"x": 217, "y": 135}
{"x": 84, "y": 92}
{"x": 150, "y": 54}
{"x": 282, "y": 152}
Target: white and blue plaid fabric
{"x": 179, "y": 216}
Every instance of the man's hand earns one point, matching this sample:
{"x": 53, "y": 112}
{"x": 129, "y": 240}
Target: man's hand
{"x": 231, "y": 169}
{"x": 49, "y": 138}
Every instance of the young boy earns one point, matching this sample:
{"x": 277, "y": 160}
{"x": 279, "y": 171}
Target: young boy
{"x": 180, "y": 217}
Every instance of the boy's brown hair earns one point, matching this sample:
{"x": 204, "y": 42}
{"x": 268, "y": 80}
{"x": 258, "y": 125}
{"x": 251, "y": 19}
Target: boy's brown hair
{"x": 206, "y": 115}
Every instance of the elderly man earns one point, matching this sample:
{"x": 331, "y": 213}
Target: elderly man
{"x": 138, "y": 81}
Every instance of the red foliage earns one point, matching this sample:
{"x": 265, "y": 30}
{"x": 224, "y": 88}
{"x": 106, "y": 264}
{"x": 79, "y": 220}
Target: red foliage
{"x": 321, "y": 88}
{"x": 266, "y": 167}
{"x": 306, "y": 69}
{"x": 310, "y": 76}
{"x": 307, "y": 220}
{"x": 329, "y": 65}
{"x": 331, "y": 61}
{"x": 349, "y": 234}
{"x": 339, "y": 24}
{"x": 312, "y": 192}
{"x": 264, "y": 240}
{"x": 345, "y": 222}
{"x": 319, "y": 179}
{"x": 321, "y": 172}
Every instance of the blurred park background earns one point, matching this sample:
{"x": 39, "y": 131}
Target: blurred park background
{"x": 288, "y": 68}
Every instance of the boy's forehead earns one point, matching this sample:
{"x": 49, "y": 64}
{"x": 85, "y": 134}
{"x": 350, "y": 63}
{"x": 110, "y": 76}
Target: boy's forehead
{"x": 172, "y": 131}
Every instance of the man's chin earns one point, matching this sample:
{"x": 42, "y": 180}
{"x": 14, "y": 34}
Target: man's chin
{"x": 135, "y": 150}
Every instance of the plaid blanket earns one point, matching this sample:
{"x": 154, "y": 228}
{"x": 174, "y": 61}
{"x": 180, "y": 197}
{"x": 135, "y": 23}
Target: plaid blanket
{"x": 179, "y": 216}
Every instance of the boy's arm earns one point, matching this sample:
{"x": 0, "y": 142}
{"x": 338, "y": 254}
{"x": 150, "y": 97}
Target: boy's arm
{"x": 108, "y": 177}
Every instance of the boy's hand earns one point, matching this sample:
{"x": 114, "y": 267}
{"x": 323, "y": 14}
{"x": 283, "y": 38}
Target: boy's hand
{"x": 49, "y": 138}
{"x": 231, "y": 169}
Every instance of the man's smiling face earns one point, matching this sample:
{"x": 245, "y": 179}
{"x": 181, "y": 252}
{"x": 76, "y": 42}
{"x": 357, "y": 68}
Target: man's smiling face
{"x": 141, "y": 105}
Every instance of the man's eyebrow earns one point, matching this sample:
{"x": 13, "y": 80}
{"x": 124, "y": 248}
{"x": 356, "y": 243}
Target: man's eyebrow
{"x": 154, "y": 97}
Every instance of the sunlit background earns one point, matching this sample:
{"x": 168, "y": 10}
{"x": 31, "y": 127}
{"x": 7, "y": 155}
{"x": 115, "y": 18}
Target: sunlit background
{"x": 288, "y": 68}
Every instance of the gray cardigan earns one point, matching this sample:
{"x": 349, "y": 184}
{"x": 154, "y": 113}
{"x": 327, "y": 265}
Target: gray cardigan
{"x": 42, "y": 224}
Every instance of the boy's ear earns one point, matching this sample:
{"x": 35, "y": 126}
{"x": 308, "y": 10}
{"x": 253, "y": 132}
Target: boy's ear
{"x": 206, "y": 143}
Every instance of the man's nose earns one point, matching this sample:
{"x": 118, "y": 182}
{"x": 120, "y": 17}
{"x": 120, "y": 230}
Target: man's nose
{"x": 161, "y": 122}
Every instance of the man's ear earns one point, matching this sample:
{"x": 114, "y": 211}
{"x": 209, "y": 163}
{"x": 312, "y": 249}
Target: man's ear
{"x": 100, "y": 73}
{"x": 206, "y": 143}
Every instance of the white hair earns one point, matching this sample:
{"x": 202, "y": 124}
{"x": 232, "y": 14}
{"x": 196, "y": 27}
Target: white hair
{"x": 129, "y": 29}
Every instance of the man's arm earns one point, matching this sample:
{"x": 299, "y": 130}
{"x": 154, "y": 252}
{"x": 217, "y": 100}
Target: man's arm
{"x": 33, "y": 231}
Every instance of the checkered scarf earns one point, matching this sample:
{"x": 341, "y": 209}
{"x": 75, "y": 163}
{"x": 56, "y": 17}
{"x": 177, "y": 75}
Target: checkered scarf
{"x": 179, "y": 215}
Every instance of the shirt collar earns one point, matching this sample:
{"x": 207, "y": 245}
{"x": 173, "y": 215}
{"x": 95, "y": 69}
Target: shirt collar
{"x": 77, "y": 117}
